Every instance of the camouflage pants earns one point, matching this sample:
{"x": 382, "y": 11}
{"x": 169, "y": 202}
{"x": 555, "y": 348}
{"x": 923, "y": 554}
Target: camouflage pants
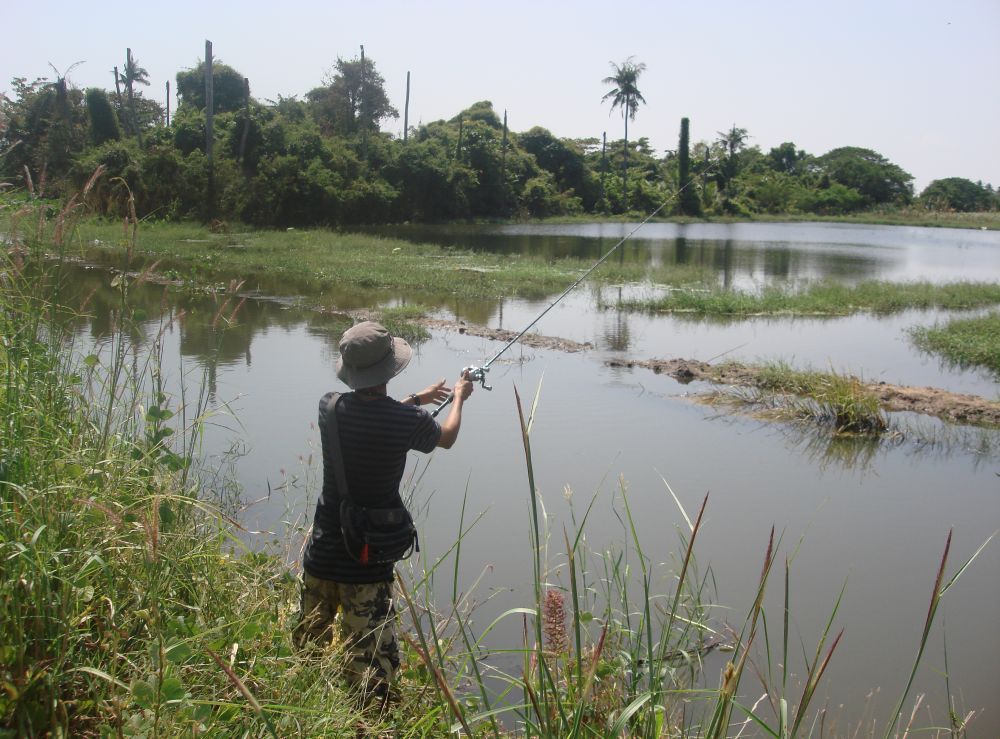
{"x": 367, "y": 627}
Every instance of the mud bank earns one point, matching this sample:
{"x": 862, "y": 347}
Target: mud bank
{"x": 954, "y": 407}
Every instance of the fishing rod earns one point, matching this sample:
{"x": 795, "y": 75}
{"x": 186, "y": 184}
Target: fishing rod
{"x": 478, "y": 373}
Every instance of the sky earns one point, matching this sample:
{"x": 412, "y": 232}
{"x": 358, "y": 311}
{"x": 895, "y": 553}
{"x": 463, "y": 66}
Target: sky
{"x": 915, "y": 80}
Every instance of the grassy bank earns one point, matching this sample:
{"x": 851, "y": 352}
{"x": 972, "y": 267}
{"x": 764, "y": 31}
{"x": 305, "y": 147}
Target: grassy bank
{"x": 822, "y": 299}
{"x": 964, "y": 342}
{"x": 916, "y": 217}
{"x": 321, "y": 261}
{"x": 365, "y": 270}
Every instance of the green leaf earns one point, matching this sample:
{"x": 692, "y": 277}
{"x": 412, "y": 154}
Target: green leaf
{"x": 167, "y": 516}
{"x": 91, "y": 360}
{"x": 143, "y": 693}
{"x": 172, "y": 689}
{"x": 178, "y": 653}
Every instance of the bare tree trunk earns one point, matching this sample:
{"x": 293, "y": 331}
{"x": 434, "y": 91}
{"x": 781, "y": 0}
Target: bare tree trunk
{"x": 361, "y": 110}
{"x": 246, "y": 117}
{"x": 130, "y": 92}
{"x": 406, "y": 109}
{"x": 210, "y": 128}
{"x": 604, "y": 168}
{"x": 168, "y": 103}
{"x": 503, "y": 167}
{"x": 625, "y": 167}
{"x": 121, "y": 106}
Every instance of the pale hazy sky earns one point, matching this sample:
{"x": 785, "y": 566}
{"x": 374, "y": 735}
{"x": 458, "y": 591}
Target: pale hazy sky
{"x": 916, "y": 80}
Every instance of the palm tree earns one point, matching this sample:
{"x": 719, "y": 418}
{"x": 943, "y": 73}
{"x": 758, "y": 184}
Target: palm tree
{"x": 625, "y": 95}
{"x": 133, "y": 75}
{"x": 732, "y": 142}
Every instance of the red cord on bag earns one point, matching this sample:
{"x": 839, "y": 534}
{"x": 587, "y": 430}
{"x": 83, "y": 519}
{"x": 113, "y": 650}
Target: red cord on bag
{"x": 364, "y": 554}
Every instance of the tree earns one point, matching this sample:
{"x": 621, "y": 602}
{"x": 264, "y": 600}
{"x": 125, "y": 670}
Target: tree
{"x": 786, "y": 158}
{"x": 103, "y": 123}
{"x": 687, "y": 199}
{"x": 353, "y": 99}
{"x": 45, "y": 127}
{"x": 565, "y": 160}
{"x": 625, "y": 95}
{"x": 957, "y": 193}
{"x": 731, "y": 142}
{"x": 227, "y": 87}
{"x": 876, "y": 178}
{"x": 131, "y": 76}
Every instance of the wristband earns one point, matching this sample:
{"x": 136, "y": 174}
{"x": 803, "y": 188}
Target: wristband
{"x": 416, "y": 398}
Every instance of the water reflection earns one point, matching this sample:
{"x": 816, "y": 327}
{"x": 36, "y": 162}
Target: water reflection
{"x": 743, "y": 255}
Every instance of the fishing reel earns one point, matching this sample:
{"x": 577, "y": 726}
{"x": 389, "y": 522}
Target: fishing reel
{"x": 477, "y": 374}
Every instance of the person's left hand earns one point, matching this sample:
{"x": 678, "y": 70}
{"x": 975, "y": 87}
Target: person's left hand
{"x": 434, "y": 393}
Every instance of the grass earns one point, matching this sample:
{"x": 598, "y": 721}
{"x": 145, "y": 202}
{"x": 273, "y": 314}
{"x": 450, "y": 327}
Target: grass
{"x": 357, "y": 269}
{"x": 822, "y": 299}
{"x": 352, "y": 271}
{"x": 130, "y": 605}
{"x": 841, "y": 402}
{"x": 964, "y": 342}
{"x": 886, "y": 216}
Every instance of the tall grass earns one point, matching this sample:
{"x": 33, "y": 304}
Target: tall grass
{"x": 128, "y": 605}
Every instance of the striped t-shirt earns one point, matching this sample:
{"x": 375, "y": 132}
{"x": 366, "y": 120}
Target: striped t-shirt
{"x": 375, "y": 436}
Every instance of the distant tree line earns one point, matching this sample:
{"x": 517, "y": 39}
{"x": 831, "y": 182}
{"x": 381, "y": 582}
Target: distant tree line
{"x": 324, "y": 160}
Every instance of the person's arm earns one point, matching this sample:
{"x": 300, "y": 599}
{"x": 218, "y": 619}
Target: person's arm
{"x": 431, "y": 394}
{"x": 449, "y": 429}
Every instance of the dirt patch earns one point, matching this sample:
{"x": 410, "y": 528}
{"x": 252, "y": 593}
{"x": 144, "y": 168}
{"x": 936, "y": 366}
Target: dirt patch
{"x": 931, "y": 401}
{"x": 537, "y": 341}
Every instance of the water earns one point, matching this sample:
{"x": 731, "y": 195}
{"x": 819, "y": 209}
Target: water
{"x": 876, "y": 518}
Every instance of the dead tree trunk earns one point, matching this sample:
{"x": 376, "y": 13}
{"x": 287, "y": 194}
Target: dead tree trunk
{"x": 246, "y": 117}
{"x": 406, "y": 109}
{"x": 209, "y": 129}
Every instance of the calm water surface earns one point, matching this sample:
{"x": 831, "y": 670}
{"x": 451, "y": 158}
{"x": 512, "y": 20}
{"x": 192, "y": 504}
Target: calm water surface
{"x": 873, "y": 517}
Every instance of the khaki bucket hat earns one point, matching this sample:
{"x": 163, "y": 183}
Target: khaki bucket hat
{"x": 370, "y": 356}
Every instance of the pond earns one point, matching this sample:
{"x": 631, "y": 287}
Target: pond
{"x": 875, "y": 517}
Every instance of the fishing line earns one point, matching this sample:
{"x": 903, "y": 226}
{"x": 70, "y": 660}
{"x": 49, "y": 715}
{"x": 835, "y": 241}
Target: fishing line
{"x": 478, "y": 374}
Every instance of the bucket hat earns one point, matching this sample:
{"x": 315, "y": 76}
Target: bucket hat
{"x": 370, "y": 356}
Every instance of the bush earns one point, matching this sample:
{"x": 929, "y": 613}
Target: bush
{"x": 833, "y": 200}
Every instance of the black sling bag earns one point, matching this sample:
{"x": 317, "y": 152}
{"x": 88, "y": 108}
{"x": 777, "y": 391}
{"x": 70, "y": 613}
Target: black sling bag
{"x": 371, "y": 535}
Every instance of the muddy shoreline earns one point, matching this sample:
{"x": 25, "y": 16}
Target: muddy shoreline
{"x": 931, "y": 401}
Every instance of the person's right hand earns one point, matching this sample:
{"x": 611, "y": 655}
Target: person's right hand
{"x": 463, "y": 387}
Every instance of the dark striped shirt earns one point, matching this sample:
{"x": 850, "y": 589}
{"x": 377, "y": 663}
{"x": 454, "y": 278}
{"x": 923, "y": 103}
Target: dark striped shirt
{"x": 375, "y": 435}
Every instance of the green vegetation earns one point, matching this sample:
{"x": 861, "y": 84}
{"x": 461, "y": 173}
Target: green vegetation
{"x": 823, "y": 299}
{"x": 131, "y": 605}
{"x": 323, "y": 161}
{"x": 966, "y": 342}
{"x": 625, "y": 95}
{"x": 839, "y": 401}
{"x": 318, "y": 261}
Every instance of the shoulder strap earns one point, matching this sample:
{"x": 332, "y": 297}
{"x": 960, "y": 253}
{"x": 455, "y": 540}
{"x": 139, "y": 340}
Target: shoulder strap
{"x": 333, "y": 438}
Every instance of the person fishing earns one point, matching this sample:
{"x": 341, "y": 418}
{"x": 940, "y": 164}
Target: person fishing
{"x": 361, "y": 526}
